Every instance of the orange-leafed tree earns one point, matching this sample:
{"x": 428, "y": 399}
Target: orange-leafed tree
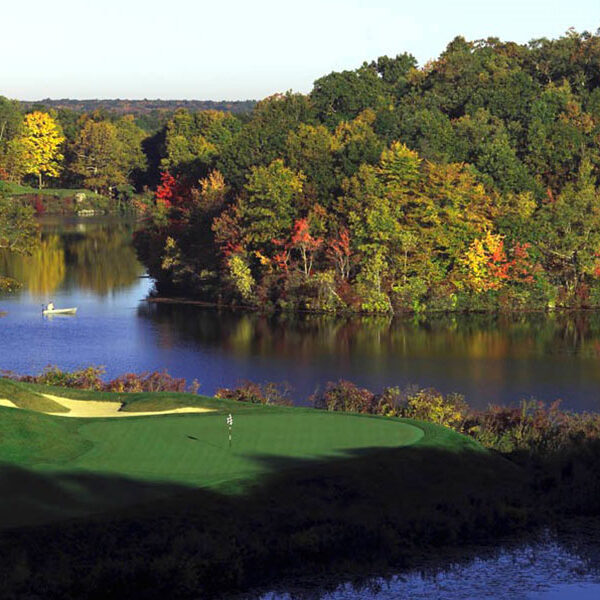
{"x": 489, "y": 266}
{"x": 306, "y": 244}
{"x": 339, "y": 253}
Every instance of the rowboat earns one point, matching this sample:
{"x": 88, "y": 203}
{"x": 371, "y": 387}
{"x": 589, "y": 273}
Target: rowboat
{"x": 59, "y": 311}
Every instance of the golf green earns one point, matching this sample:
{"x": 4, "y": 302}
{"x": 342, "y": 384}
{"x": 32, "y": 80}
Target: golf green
{"x": 192, "y": 449}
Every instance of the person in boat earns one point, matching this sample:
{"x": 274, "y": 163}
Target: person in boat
{"x": 50, "y": 305}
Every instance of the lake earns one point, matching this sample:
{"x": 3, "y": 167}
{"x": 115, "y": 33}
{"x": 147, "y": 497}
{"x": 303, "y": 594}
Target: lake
{"x": 91, "y": 264}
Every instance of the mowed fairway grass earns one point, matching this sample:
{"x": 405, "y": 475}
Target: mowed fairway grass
{"x": 50, "y": 454}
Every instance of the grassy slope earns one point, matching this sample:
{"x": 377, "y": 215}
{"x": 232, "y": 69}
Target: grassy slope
{"x": 28, "y": 397}
{"x": 14, "y": 189}
{"x": 142, "y": 402}
{"x": 188, "y": 450}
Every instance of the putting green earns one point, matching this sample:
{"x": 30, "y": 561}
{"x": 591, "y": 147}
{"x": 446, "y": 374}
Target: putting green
{"x": 192, "y": 449}
{"x": 195, "y": 449}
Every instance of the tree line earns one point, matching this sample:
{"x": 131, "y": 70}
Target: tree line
{"x": 466, "y": 183}
{"x": 67, "y": 149}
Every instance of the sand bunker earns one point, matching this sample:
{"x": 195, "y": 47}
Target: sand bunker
{"x": 93, "y": 408}
{"x": 5, "y": 402}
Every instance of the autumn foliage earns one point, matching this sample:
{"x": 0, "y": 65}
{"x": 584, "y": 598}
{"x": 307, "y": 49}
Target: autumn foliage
{"x": 468, "y": 184}
{"x": 488, "y": 267}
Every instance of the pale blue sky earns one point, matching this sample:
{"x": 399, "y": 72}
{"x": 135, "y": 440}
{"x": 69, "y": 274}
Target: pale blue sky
{"x": 242, "y": 49}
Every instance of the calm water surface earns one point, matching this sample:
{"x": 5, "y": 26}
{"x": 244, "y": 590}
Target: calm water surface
{"x": 553, "y": 567}
{"x": 532, "y": 573}
{"x": 92, "y": 265}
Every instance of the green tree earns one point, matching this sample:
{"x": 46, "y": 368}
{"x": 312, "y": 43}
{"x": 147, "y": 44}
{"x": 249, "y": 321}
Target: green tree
{"x": 356, "y": 143}
{"x": 343, "y": 96}
{"x": 193, "y": 142}
{"x": 569, "y": 230}
{"x": 130, "y": 137}
{"x": 271, "y": 205}
{"x": 311, "y": 149}
{"x": 11, "y": 120}
{"x": 106, "y": 154}
{"x": 263, "y": 138}
{"x": 558, "y": 136}
{"x": 18, "y": 232}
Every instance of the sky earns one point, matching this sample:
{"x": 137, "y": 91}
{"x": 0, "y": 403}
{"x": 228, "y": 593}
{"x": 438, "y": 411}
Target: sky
{"x": 243, "y": 49}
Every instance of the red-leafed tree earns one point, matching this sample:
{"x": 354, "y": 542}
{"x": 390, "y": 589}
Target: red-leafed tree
{"x": 167, "y": 190}
{"x": 522, "y": 268}
{"x": 282, "y": 258}
{"x": 228, "y": 234}
{"x": 173, "y": 193}
{"x": 305, "y": 243}
{"x": 339, "y": 253}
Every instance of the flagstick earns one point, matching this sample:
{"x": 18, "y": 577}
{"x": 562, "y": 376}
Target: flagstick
{"x": 229, "y": 422}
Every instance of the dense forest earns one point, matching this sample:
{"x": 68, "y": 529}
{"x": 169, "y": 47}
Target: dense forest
{"x": 469, "y": 183}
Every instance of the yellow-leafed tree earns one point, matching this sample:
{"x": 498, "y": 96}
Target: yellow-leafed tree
{"x": 40, "y": 143}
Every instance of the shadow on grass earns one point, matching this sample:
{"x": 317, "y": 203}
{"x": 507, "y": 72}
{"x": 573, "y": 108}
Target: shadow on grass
{"x": 373, "y": 507}
{"x": 32, "y": 498}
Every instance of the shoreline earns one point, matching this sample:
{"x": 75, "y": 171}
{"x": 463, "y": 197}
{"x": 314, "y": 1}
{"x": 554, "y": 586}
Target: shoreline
{"x": 348, "y": 313}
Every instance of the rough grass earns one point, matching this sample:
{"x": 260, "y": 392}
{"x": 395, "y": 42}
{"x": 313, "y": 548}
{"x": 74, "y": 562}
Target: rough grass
{"x": 27, "y": 397}
{"x": 14, "y": 189}
{"x": 29, "y": 439}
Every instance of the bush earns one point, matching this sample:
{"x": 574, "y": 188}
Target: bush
{"x": 431, "y": 405}
{"x": 255, "y": 393}
{"x": 411, "y": 403}
{"x": 146, "y": 382}
{"x": 85, "y": 379}
{"x": 90, "y": 379}
{"x": 532, "y": 426}
{"x": 344, "y": 396}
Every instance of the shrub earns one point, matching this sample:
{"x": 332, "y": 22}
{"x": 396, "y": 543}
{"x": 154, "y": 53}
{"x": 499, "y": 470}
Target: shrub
{"x": 90, "y": 379}
{"x": 255, "y": 393}
{"x": 146, "y": 382}
{"x": 87, "y": 379}
{"x": 344, "y": 396}
{"x": 532, "y": 426}
{"x": 430, "y": 405}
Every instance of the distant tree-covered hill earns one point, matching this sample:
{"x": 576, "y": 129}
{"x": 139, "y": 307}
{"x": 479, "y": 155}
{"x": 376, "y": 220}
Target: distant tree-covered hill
{"x": 150, "y": 115}
{"x": 145, "y": 106}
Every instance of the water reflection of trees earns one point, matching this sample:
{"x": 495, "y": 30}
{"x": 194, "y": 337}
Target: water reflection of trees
{"x": 455, "y": 336}
{"x": 102, "y": 260}
{"x": 43, "y": 271}
{"x": 96, "y": 257}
